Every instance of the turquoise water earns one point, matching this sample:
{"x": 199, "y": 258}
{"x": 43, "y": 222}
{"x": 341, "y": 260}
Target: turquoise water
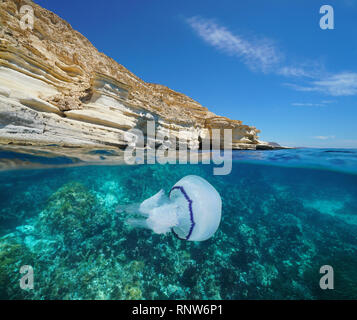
{"x": 285, "y": 214}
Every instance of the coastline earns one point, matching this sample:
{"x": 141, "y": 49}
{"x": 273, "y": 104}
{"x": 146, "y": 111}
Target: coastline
{"x": 57, "y": 88}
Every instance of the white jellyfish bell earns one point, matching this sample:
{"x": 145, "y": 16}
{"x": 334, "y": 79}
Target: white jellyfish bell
{"x": 192, "y": 211}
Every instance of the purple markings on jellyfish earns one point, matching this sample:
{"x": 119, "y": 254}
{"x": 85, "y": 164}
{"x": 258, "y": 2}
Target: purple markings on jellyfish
{"x": 191, "y": 212}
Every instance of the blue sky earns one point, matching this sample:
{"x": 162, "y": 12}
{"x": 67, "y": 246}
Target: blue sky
{"x": 267, "y": 63}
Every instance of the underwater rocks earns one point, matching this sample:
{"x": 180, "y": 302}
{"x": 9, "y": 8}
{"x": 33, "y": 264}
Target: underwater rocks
{"x": 73, "y": 213}
{"x": 269, "y": 244}
{"x": 56, "y": 88}
{"x": 12, "y": 256}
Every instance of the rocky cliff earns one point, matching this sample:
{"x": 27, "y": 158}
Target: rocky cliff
{"x": 56, "y": 88}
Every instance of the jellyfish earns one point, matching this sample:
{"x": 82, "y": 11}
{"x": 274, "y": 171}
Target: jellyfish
{"x": 191, "y": 211}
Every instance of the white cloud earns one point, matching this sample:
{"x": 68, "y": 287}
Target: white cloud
{"x": 309, "y": 104}
{"x": 307, "y": 69}
{"x": 324, "y": 137}
{"x": 298, "y": 104}
{"x": 294, "y": 72}
{"x": 328, "y": 101}
{"x": 340, "y": 84}
{"x": 257, "y": 55}
{"x": 262, "y": 55}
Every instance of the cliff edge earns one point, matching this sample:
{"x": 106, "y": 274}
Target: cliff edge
{"x": 56, "y": 88}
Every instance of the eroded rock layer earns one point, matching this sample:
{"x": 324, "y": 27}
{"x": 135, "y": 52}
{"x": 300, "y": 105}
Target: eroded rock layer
{"x": 56, "y": 88}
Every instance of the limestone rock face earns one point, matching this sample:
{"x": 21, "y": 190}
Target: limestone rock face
{"x": 55, "y": 87}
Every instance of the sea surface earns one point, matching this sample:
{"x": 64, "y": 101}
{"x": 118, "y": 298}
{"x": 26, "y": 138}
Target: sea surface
{"x": 286, "y": 213}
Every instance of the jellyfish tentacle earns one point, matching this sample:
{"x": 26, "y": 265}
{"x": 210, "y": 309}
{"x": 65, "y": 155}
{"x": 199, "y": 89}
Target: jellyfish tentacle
{"x": 138, "y": 223}
{"x": 130, "y": 209}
